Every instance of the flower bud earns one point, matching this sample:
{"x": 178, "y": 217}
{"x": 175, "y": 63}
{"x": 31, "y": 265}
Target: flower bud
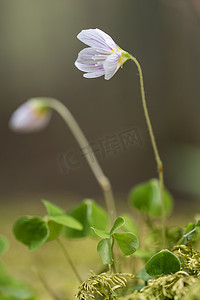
{"x": 31, "y": 116}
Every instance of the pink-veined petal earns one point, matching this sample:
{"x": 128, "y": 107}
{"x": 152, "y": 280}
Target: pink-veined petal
{"x": 89, "y": 67}
{"x": 91, "y": 56}
{"x": 111, "y": 65}
{"x": 96, "y": 38}
{"x": 108, "y": 40}
{"x": 94, "y": 74}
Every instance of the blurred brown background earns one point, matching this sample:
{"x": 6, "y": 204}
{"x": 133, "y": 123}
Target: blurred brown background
{"x": 38, "y": 47}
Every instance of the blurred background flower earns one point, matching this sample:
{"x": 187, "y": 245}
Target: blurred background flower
{"x": 31, "y": 116}
{"x": 38, "y": 48}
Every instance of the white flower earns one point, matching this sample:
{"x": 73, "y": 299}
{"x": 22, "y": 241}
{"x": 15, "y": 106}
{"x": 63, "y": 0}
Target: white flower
{"x": 31, "y": 116}
{"x": 103, "y": 57}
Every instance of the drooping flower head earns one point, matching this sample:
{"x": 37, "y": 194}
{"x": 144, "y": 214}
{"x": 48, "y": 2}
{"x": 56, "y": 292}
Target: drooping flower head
{"x": 103, "y": 57}
{"x": 32, "y": 115}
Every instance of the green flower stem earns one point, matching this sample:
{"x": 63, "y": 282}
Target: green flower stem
{"x": 155, "y": 149}
{"x": 69, "y": 260}
{"x": 103, "y": 181}
{"x": 114, "y": 255}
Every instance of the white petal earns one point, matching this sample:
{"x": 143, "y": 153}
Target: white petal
{"x": 111, "y": 65}
{"x": 90, "y": 60}
{"x": 108, "y": 40}
{"x": 89, "y": 67}
{"x": 26, "y": 119}
{"x": 91, "y": 55}
{"x": 94, "y": 74}
{"x": 98, "y": 39}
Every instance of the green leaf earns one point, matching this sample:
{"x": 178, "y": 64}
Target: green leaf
{"x": 102, "y": 233}
{"x": 3, "y": 244}
{"x": 146, "y": 198}
{"x": 89, "y": 214}
{"x": 189, "y": 236}
{"x": 57, "y": 217}
{"x": 164, "y": 262}
{"x": 105, "y": 252}
{"x": 31, "y": 231}
{"x": 191, "y": 232}
{"x": 143, "y": 275}
{"x": 15, "y": 293}
{"x": 127, "y": 242}
{"x": 55, "y": 230}
{"x": 198, "y": 223}
{"x": 129, "y": 225}
{"x": 12, "y": 289}
{"x": 198, "y": 227}
{"x": 67, "y": 221}
{"x": 52, "y": 209}
{"x": 119, "y": 222}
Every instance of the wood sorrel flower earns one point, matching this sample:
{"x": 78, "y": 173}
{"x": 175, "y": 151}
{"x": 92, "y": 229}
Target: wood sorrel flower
{"x": 103, "y": 57}
{"x": 31, "y": 116}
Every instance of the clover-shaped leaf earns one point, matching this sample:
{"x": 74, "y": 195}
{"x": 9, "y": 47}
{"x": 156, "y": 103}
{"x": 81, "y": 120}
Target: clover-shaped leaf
{"x": 146, "y": 197}
{"x": 127, "y": 242}
{"x": 31, "y": 231}
{"x": 102, "y": 233}
{"x": 119, "y": 222}
{"x": 67, "y": 221}
{"x": 89, "y": 214}
{"x": 34, "y": 231}
{"x": 58, "y": 215}
{"x": 164, "y": 262}
{"x": 105, "y": 251}
{"x": 52, "y": 209}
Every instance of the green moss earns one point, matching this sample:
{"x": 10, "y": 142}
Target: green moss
{"x": 102, "y": 286}
{"x": 173, "y": 286}
{"x": 190, "y": 258}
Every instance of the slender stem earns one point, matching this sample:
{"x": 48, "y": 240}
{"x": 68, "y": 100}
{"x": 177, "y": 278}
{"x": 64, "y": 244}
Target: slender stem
{"x": 185, "y": 236}
{"x": 112, "y": 248}
{"x": 103, "y": 181}
{"x": 155, "y": 149}
{"x": 69, "y": 260}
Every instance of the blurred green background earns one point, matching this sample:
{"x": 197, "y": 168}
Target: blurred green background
{"x": 38, "y": 47}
